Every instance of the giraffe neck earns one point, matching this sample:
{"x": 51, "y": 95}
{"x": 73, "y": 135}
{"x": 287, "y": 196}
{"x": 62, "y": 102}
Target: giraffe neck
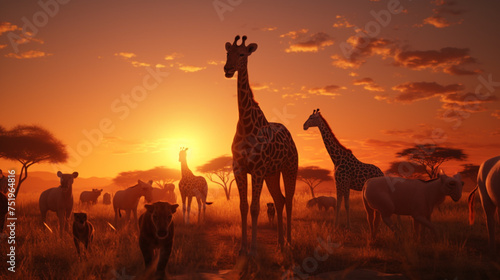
{"x": 338, "y": 153}
{"x": 248, "y": 109}
{"x": 185, "y": 171}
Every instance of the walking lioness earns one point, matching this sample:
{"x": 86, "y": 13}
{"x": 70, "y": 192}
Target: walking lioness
{"x": 83, "y": 231}
{"x": 157, "y": 234}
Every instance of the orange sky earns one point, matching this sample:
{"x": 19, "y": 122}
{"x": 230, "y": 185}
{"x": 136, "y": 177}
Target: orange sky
{"x": 124, "y": 84}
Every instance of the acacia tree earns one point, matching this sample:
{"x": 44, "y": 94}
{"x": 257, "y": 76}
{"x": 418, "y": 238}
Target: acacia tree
{"x": 406, "y": 169}
{"x": 313, "y": 176}
{"x": 431, "y": 157}
{"x": 30, "y": 144}
{"x": 160, "y": 175}
{"x": 219, "y": 170}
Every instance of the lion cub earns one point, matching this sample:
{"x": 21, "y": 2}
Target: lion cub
{"x": 83, "y": 231}
{"x": 157, "y": 234}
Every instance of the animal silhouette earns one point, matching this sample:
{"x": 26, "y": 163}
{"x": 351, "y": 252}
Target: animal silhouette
{"x": 83, "y": 231}
{"x": 106, "y": 199}
{"x": 129, "y": 199}
{"x": 350, "y": 173}
{"x": 271, "y": 212}
{"x": 90, "y": 197}
{"x": 385, "y": 196}
{"x": 263, "y": 149}
{"x": 59, "y": 200}
{"x": 157, "y": 234}
{"x": 488, "y": 183}
{"x": 323, "y": 202}
{"x": 191, "y": 186}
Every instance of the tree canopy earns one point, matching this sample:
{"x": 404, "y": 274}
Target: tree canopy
{"x": 160, "y": 175}
{"x": 219, "y": 170}
{"x": 30, "y": 144}
{"x": 313, "y": 176}
{"x": 431, "y": 156}
{"x": 407, "y": 169}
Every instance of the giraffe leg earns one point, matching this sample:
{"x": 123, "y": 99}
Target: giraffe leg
{"x": 257, "y": 183}
{"x": 241, "y": 182}
{"x": 346, "y": 205}
{"x": 340, "y": 196}
{"x": 289, "y": 180}
{"x": 183, "y": 197}
{"x": 272, "y": 183}
{"x": 199, "y": 210}
{"x": 190, "y": 198}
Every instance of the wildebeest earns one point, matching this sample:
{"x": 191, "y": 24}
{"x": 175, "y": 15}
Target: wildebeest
{"x": 4, "y": 207}
{"x": 323, "y": 202}
{"x": 129, "y": 199}
{"x": 106, "y": 199}
{"x": 90, "y": 197}
{"x": 59, "y": 200}
{"x": 271, "y": 211}
{"x": 384, "y": 196}
{"x": 164, "y": 194}
{"x": 157, "y": 234}
{"x": 83, "y": 231}
{"x": 488, "y": 183}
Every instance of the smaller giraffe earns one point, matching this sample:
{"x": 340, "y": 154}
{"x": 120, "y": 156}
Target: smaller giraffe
{"x": 189, "y": 186}
{"x": 350, "y": 173}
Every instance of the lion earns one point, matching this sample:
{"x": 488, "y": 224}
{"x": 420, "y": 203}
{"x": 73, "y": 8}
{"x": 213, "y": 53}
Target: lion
{"x": 156, "y": 234}
{"x": 83, "y": 231}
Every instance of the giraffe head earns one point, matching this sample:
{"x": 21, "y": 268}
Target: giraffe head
{"x": 237, "y": 56}
{"x": 313, "y": 120}
{"x": 182, "y": 155}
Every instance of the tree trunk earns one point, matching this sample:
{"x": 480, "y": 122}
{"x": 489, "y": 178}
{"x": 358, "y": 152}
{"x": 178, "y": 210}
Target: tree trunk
{"x": 312, "y": 191}
{"x": 22, "y": 176}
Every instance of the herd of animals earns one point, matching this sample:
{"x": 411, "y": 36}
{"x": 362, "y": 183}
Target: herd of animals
{"x": 267, "y": 152}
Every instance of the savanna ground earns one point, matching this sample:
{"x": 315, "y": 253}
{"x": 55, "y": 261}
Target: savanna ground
{"x": 212, "y": 248}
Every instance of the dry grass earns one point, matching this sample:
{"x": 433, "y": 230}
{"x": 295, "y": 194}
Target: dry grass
{"x": 458, "y": 253}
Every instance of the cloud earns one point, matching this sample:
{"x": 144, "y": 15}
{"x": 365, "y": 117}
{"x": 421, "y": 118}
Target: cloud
{"x": 444, "y": 8}
{"x": 140, "y": 64}
{"x": 329, "y": 90}
{"x": 342, "y": 22}
{"x": 414, "y": 91}
{"x": 265, "y": 28}
{"x": 368, "y": 84}
{"x": 314, "y": 43}
{"x": 28, "y": 54}
{"x": 3, "y": 46}
{"x": 393, "y": 144}
{"x": 190, "y": 68}
{"x": 496, "y": 114}
{"x": 172, "y": 56}
{"x": 126, "y": 55}
{"x": 447, "y": 60}
{"x": 360, "y": 49}
{"x": 294, "y": 34}
{"x": 7, "y": 26}
{"x": 216, "y": 62}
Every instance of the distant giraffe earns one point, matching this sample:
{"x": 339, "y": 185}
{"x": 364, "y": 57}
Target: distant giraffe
{"x": 262, "y": 149}
{"x": 350, "y": 173}
{"x": 191, "y": 185}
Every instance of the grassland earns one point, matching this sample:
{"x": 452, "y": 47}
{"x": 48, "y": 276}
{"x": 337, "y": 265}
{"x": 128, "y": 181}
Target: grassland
{"x": 459, "y": 252}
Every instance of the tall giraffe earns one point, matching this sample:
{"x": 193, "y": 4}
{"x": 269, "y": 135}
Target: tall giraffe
{"x": 350, "y": 173}
{"x": 189, "y": 186}
{"x": 262, "y": 149}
